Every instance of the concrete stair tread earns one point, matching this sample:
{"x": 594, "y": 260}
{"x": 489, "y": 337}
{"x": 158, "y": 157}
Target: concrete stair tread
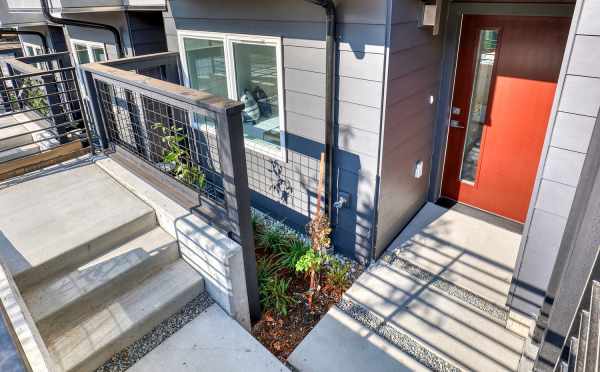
{"x": 443, "y": 324}
{"x": 341, "y": 343}
{"x": 213, "y": 341}
{"x": 456, "y": 247}
{"x": 20, "y": 137}
{"x": 83, "y": 341}
{"x": 591, "y": 359}
{"x": 572, "y": 363}
{"x": 54, "y": 222}
{"x": 139, "y": 256}
{"x": 584, "y": 326}
{"x": 19, "y": 152}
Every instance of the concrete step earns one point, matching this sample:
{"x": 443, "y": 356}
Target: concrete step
{"x": 56, "y": 222}
{"x": 14, "y": 136}
{"x": 82, "y": 339}
{"x": 464, "y": 250}
{"x": 19, "y": 152}
{"x": 441, "y": 324}
{"x": 573, "y": 354}
{"x": 591, "y": 359}
{"x": 584, "y": 326}
{"x": 211, "y": 342}
{"x": 102, "y": 278}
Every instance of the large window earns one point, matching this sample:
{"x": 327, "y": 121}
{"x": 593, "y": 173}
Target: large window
{"x": 243, "y": 68}
{"x": 87, "y": 51}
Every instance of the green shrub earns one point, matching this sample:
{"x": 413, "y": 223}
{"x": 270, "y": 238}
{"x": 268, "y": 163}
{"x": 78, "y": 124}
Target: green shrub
{"x": 272, "y": 238}
{"x": 273, "y": 290}
{"x": 177, "y": 155}
{"x": 274, "y": 295}
{"x": 291, "y": 253}
{"x": 310, "y": 261}
{"x": 338, "y": 275}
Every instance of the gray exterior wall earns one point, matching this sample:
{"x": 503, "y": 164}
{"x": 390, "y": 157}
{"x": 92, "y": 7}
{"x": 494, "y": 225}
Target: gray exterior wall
{"x": 116, "y": 19}
{"x": 413, "y": 79}
{"x": 54, "y": 36}
{"x": 146, "y": 32}
{"x": 287, "y": 189}
{"x": 572, "y": 120}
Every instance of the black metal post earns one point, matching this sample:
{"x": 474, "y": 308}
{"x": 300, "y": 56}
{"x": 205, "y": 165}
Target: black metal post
{"x": 232, "y": 156}
{"x": 95, "y": 109}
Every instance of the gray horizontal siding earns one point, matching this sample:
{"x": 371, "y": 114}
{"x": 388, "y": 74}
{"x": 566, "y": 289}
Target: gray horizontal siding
{"x": 413, "y": 78}
{"x": 569, "y": 131}
{"x": 361, "y": 56}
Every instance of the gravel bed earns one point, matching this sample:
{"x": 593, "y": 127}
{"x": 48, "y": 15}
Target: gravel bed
{"x": 396, "y": 337}
{"x": 493, "y": 310}
{"x": 134, "y": 352}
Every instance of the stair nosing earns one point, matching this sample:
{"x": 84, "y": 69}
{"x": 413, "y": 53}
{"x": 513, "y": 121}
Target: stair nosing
{"x": 140, "y": 270}
{"x": 441, "y": 285}
{"x": 125, "y": 337}
{"x": 23, "y": 278}
{"x": 412, "y": 347}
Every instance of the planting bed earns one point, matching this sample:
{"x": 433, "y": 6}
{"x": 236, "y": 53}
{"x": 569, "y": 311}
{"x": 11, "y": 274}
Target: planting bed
{"x": 281, "y": 331}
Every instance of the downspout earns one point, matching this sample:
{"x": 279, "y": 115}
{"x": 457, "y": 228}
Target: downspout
{"x": 330, "y": 72}
{"x": 75, "y": 22}
{"x": 19, "y": 32}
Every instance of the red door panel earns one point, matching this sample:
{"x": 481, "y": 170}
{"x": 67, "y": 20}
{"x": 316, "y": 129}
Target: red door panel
{"x": 519, "y": 58}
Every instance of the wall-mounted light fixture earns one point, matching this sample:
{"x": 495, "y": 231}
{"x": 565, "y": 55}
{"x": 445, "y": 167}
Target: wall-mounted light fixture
{"x": 430, "y": 15}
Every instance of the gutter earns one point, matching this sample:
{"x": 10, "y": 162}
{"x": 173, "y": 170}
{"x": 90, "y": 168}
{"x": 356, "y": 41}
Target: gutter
{"x": 330, "y": 72}
{"x": 19, "y": 32}
{"x": 75, "y": 22}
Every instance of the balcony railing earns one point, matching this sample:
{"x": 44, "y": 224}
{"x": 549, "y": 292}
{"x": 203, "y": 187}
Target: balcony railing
{"x": 187, "y": 143}
{"x": 77, "y": 6}
{"x": 41, "y": 115}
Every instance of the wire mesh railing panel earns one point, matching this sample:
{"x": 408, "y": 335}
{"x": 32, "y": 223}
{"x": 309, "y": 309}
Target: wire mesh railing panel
{"x": 42, "y": 120}
{"x": 173, "y": 139}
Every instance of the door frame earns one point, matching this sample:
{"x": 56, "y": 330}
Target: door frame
{"x": 451, "y": 41}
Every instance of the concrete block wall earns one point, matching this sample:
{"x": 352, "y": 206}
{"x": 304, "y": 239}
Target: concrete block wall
{"x": 570, "y": 127}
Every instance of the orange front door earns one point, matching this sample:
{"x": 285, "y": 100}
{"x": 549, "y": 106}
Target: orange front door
{"x": 504, "y": 87}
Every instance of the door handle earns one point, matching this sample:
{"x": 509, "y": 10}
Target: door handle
{"x": 456, "y": 124}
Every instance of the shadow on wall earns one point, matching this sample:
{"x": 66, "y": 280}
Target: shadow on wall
{"x": 353, "y": 223}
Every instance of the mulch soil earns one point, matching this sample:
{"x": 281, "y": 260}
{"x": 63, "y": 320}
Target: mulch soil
{"x": 282, "y": 334}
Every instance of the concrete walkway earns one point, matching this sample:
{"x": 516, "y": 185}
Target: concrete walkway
{"x": 211, "y": 342}
{"x": 434, "y": 301}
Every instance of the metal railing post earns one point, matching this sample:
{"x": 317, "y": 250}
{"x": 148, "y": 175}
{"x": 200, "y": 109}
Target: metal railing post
{"x": 95, "y": 109}
{"x": 232, "y": 155}
{"x": 55, "y": 107}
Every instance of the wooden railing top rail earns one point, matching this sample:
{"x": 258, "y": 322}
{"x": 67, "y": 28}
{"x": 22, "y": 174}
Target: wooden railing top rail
{"x": 113, "y": 72}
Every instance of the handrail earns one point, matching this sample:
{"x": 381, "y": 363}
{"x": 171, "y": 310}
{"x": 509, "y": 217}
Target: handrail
{"x": 195, "y": 98}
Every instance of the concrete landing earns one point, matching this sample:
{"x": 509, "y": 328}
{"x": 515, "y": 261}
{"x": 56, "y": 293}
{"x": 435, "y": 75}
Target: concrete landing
{"x": 44, "y": 219}
{"x": 400, "y": 316}
{"x": 474, "y": 254}
{"x": 211, "y": 342}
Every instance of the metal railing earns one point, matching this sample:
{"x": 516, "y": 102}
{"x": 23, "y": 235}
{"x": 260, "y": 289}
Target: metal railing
{"x": 41, "y": 119}
{"x": 174, "y": 135}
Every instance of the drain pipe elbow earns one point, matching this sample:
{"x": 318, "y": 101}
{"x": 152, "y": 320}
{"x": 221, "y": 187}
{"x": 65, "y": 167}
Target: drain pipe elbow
{"x": 75, "y": 22}
{"x": 330, "y": 73}
{"x": 19, "y": 32}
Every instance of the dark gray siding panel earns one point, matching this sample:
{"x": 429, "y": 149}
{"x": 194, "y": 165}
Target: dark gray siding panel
{"x": 147, "y": 32}
{"x": 287, "y": 189}
{"x": 413, "y": 78}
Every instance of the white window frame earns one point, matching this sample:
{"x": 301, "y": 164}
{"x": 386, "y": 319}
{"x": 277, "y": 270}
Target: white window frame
{"x": 88, "y": 45}
{"x": 37, "y": 50}
{"x": 228, "y": 39}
